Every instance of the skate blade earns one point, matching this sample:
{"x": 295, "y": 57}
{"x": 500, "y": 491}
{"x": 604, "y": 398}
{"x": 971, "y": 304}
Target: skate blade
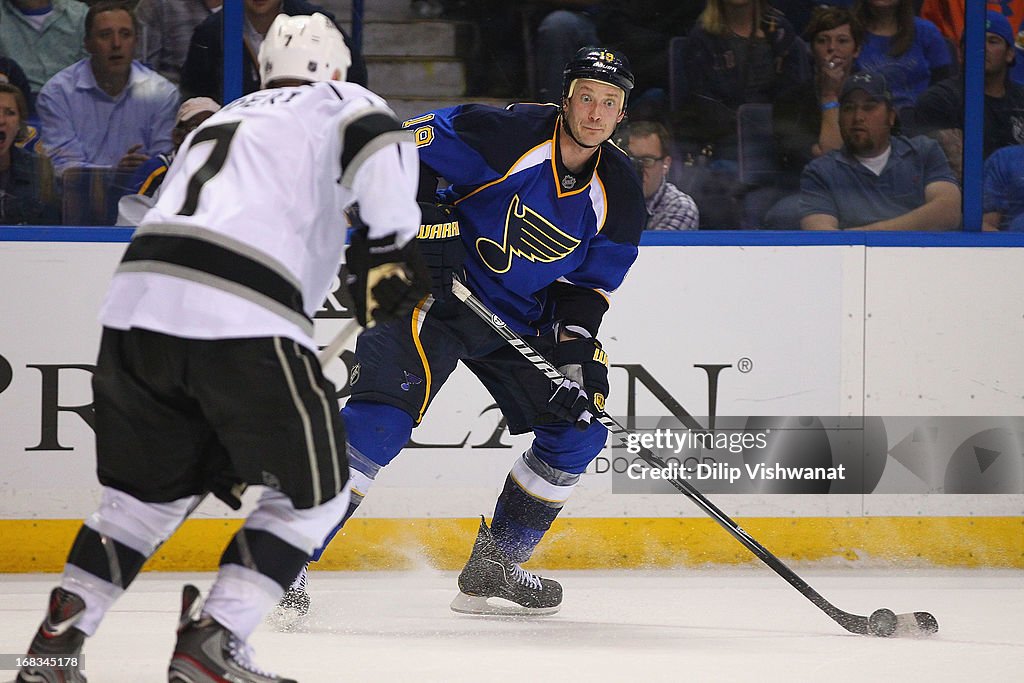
{"x": 474, "y": 604}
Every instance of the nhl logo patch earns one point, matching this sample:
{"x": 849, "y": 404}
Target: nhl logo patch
{"x": 568, "y": 182}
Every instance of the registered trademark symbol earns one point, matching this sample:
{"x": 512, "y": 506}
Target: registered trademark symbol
{"x": 744, "y": 365}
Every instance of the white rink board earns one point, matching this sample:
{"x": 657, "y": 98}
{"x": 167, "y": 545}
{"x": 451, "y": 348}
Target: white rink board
{"x": 792, "y": 317}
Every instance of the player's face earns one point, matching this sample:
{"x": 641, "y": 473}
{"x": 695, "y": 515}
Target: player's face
{"x": 647, "y": 150}
{"x": 262, "y": 8}
{"x": 10, "y": 121}
{"x": 111, "y": 42}
{"x": 836, "y": 45}
{"x": 865, "y": 124}
{"x": 998, "y": 54}
{"x": 592, "y": 111}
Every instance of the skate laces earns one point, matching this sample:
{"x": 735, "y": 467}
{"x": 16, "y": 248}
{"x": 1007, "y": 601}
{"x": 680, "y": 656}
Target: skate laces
{"x": 241, "y": 654}
{"x": 526, "y": 578}
{"x": 299, "y": 584}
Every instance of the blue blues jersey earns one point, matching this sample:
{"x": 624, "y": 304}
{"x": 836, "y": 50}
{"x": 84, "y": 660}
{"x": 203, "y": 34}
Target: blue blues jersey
{"x": 526, "y": 221}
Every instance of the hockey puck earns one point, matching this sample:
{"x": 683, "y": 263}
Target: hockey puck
{"x": 927, "y": 624}
{"x": 882, "y": 623}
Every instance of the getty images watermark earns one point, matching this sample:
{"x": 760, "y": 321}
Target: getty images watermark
{"x": 728, "y": 455}
{"x": 818, "y": 454}
{"x": 664, "y": 440}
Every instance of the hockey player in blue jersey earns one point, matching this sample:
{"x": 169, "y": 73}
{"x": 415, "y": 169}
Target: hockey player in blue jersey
{"x": 548, "y": 215}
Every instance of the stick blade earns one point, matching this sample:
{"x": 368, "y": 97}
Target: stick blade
{"x": 916, "y": 625}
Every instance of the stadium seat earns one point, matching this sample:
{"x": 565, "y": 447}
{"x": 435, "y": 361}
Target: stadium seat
{"x": 758, "y": 164}
{"x": 676, "y": 75}
{"x": 90, "y": 194}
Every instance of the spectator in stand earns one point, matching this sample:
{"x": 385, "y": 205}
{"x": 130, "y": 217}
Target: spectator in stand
{"x": 878, "y": 181}
{"x": 739, "y": 51}
{"x": 143, "y": 188}
{"x": 567, "y": 26}
{"x": 940, "y": 110}
{"x": 203, "y": 72}
{"x": 107, "y": 110}
{"x": 668, "y": 207}
{"x": 948, "y": 15}
{"x": 43, "y": 36}
{"x": 1004, "y": 190}
{"x": 166, "y": 27}
{"x": 640, "y": 28}
{"x": 806, "y": 124}
{"x": 27, "y": 194}
{"x": 909, "y": 51}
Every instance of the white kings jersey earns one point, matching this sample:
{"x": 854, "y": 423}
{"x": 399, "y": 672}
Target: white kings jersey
{"x": 249, "y": 231}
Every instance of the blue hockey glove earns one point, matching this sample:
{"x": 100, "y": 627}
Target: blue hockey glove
{"x": 581, "y": 395}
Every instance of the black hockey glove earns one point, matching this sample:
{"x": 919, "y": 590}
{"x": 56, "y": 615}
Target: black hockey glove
{"x": 441, "y": 246}
{"x": 386, "y": 281}
{"x": 581, "y": 395}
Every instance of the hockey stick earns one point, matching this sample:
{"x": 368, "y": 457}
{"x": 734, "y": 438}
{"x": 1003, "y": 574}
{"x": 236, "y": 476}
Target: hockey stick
{"x": 330, "y": 352}
{"x": 882, "y": 622}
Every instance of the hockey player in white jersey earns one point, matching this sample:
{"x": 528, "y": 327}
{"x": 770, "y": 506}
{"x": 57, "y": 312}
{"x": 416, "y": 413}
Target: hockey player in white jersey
{"x": 207, "y": 376}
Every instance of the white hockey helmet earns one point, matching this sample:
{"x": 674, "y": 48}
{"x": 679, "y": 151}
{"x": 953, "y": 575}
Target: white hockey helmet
{"x": 307, "y": 48}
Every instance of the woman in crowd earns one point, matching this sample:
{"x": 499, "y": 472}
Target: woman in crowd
{"x": 26, "y": 181}
{"x": 909, "y": 51}
{"x": 739, "y": 51}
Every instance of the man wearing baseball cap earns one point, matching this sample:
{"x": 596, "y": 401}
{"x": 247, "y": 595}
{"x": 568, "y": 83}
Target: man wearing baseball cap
{"x": 144, "y": 185}
{"x": 940, "y": 109}
{"x": 878, "y": 180}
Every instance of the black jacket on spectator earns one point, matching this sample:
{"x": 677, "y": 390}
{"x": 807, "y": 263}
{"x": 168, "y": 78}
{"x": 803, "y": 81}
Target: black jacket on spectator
{"x": 26, "y": 191}
{"x": 719, "y": 79}
{"x": 941, "y": 107}
{"x": 203, "y": 72}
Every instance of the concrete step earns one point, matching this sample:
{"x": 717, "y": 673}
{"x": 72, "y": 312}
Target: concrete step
{"x": 413, "y": 38}
{"x": 373, "y": 10}
{"x": 408, "y": 107}
{"x": 417, "y": 76}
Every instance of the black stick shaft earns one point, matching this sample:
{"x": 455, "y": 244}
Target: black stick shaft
{"x": 851, "y": 622}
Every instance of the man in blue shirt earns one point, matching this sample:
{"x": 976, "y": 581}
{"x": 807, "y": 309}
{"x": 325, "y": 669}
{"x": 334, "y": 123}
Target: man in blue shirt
{"x": 107, "y": 110}
{"x": 1004, "y": 190}
{"x": 878, "y": 181}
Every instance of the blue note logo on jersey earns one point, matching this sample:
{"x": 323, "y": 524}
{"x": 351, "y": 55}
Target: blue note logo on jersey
{"x": 410, "y": 380}
{"x": 527, "y": 235}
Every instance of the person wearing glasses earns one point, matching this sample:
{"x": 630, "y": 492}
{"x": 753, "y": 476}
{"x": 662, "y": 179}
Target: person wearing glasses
{"x": 668, "y": 207}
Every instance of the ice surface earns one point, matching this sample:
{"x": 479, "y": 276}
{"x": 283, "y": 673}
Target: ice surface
{"x": 718, "y": 624}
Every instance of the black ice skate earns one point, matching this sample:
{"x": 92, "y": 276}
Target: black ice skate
{"x": 206, "y": 652}
{"x": 293, "y": 606}
{"x": 57, "y": 642}
{"x": 490, "y": 583}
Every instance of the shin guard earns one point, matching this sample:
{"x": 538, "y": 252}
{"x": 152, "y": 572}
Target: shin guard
{"x": 533, "y": 495}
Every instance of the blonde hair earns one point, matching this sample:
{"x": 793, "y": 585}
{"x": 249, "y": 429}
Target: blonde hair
{"x": 712, "y": 19}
